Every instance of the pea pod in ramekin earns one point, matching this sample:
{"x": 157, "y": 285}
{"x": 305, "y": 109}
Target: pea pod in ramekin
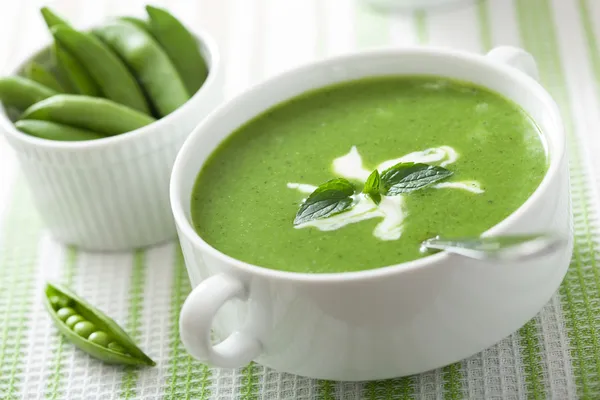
{"x": 105, "y": 67}
{"x": 181, "y": 47}
{"x": 20, "y": 93}
{"x": 75, "y": 73}
{"x": 148, "y": 62}
{"x": 95, "y": 114}
{"x": 55, "y": 131}
{"x": 51, "y": 18}
{"x": 90, "y": 329}
{"x": 71, "y": 69}
{"x": 38, "y": 73}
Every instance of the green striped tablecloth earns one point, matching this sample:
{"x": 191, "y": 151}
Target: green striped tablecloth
{"x": 556, "y": 355}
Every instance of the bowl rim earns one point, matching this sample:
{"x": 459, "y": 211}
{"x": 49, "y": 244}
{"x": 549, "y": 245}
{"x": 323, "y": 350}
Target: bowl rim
{"x": 208, "y": 46}
{"x": 556, "y": 160}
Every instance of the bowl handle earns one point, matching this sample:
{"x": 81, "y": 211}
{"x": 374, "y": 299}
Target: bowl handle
{"x": 195, "y": 322}
{"x": 516, "y": 58}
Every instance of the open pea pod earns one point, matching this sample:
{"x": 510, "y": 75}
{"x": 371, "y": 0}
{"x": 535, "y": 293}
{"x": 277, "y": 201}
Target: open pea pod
{"x": 90, "y": 329}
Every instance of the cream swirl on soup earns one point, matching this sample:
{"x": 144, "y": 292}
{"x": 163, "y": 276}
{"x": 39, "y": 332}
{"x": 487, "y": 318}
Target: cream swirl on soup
{"x": 392, "y": 210}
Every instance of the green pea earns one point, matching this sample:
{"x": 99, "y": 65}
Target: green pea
{"x": 65, "y": 312}
{"x": 59, "y": 302}
{"x": 74, "y": 319}
{"x": 181, "y": 47}
{"x": 53, "y": 131}
{"x": 105, "y": 67}
{"x": 149, "y": 63}
{"x": 114, "y": 346}
{"x": 38, "y": 73}
{"x": 93, "y": 331}
{"x": 19, "y": 92}
{"x": 84, "y": 328}
{"x": 94, "y": 114}
{"x": 100, "y": 338}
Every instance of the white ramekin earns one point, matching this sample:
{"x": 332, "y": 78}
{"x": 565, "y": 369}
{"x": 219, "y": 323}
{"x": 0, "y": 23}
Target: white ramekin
{"x": 112, "y": 193}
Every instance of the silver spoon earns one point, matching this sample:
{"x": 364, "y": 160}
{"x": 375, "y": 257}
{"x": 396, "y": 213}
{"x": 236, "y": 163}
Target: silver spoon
{"x": 506, "y": 248}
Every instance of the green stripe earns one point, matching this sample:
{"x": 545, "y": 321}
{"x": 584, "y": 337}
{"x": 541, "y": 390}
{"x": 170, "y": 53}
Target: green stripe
{"x": 485, "y": 30}
{"x": 177, "y": 299}
{"x": 56, "y": 379}
{"x": 420, "y": 19}
{"x": 590, "y": 36}
{"x": 321, "y": 33}
{"x": 594, "y": 53}
{"x": 587, "y": 371}
{"x": 250, "y": 387}
{"x": 399, "y": 388}
{"x": 21, "y": 232}
{"x": 453, "y": 385}
{"x": 188, "y": 378}
{"x": 136, "y": 299}
{"x": 529, "y": 338}
{"x": 372, "y": 27}
{"x": 580, "y": 289}
{"x": 326, "y": 390}
{"x": 532, "y": 360}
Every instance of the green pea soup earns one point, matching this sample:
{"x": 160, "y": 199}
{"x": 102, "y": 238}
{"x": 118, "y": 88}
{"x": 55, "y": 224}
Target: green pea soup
{"x": 247, "y": 194}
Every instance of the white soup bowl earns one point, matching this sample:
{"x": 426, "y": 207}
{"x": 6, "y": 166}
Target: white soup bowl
{"x": 388, "y": 322}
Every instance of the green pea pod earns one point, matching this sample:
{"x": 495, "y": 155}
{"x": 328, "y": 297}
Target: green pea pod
{"x": 51, "y": 18}
{"x": 149, "y": 63}
{"x": 105, "y": 67}
{"x": 75, "y": 73}
{"x": 70, "y": 69}
{"x": 19, "y": 92}
{"x": 38, "y": 73}
{"x": 140, "y": 23}
{"x": 95, "y": 114}
{"x": 53, "y": 131}
{"x": 181, "y": 47}
{"x": 96, "y": 332}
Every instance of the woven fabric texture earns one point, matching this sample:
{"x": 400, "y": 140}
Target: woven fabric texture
{"x": 556, "y": 355}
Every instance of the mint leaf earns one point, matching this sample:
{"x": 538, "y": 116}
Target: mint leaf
{"x": 408, "y": 177}
{"x": 331, "y": 198}
{"x": 372, "y": 185}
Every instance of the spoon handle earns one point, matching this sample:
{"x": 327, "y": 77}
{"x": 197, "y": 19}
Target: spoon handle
{"x": 508, "y": 247}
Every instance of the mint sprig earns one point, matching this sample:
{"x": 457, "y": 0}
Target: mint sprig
{"x": 372, "y": 186}
{"x": 408, "y": 177}
{"x": 331, "y": 198}
{"x": 335, "y": 196}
